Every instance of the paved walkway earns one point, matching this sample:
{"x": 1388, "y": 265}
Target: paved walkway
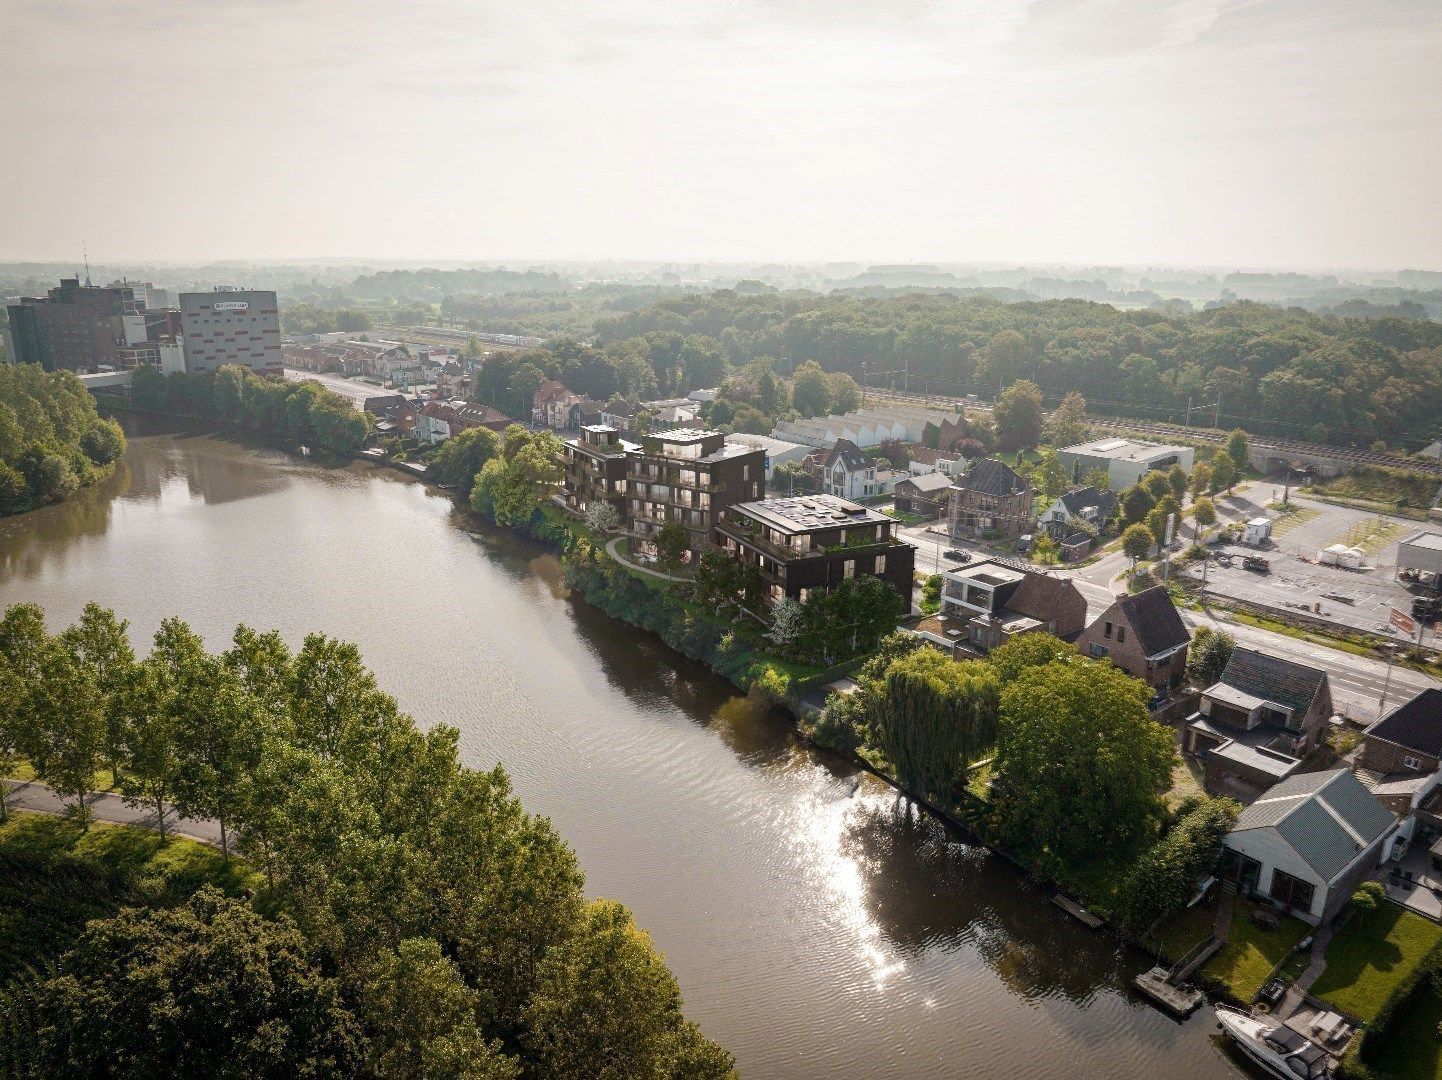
{"x": 1297, "y": 993}
{"x": 612, "y": 549}
{"x": 42, "y": 799}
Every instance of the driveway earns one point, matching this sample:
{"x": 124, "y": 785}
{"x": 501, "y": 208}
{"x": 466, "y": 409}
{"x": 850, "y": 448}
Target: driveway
{"x": 42, "y": 799}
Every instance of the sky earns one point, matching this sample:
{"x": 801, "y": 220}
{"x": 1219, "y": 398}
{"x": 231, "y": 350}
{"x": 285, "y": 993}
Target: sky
{"x": 1240, "y": 133}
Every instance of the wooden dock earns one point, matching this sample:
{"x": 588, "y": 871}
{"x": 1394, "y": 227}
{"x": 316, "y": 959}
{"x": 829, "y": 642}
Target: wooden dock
{"x": 1157, "y": 984}
{"x": 1081, "y": 914}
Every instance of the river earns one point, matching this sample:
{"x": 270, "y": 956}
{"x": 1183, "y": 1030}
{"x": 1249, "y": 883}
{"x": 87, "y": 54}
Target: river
{"x": 817, "y": 927}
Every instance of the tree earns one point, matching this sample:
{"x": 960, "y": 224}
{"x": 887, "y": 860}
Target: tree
{"x": 936, "y": 716}
{"x": 1079, "y": 766}
{"x": 98, "y": 643}
{"x": 672, "y": 544}
{"x": 421, "y": 1016}
{"x": 848, "y": 618}
{"x": 1025, "y": 651}
{"x": 151, "y": 764}
{"x": 23, "y": 641}
{"x": 1201, "y": 479}
{"x": 1166, "y": 875}
{"x": 723, "y": 584}
{"x": 1224, "y": 472}
{"x": 1237, "y": 448}
{"x": 1007, "y": 358}
{"x": 1159, "y": 516}
{"x": 1177, "y": 478}
{"x": 810, "y": 390}
{"x": 1157, "y": 484}
{"x": 206, "y": 989}
{"x": 602, "y": 517}
{"x": 1207, "y": 658}
{"x": 606, "y": 1008}
{"x": 845, "y": 392}
{"x": 786, "y": 622}
{"x": 1204, "y": 513}
{"x": 513, "y": 485}
{"x": 1137, "y": 541}
{"x": 1137, "y": 503}
{"x": 1097, "y": 478}
{"x": 1044, "y": 550}
{"x": 1018, "y": 416}
{"x": 1068, "y": 424}
{"x": 70, "y": 723}
{"x": 1049, "y": 476}
{"x": 463, "y": 456}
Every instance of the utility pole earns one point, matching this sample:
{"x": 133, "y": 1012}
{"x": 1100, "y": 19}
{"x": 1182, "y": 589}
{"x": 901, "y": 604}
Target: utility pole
{"x": 1387, "y": 681}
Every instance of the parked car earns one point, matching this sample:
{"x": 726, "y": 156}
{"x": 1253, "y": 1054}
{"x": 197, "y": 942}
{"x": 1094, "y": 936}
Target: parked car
{"x": 1256, "y": 564}
{"x": 956, "y": 553}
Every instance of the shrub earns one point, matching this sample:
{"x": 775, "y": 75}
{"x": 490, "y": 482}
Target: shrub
{"x": 1367, "y": 897}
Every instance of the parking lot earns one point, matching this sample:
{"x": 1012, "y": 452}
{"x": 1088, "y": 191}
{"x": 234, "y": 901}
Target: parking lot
{"x": 1360, "y": 599}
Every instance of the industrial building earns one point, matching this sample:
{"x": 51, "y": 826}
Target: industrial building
{"x": 231, "y": 326}
{"x": 1419, "y": 558}
{"x": 1125, "y": 461}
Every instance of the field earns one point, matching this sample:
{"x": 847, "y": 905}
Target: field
{"x": 1371, "y": 955}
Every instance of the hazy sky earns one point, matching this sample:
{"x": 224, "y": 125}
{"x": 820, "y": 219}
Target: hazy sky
{"x": 1234, "y": 132}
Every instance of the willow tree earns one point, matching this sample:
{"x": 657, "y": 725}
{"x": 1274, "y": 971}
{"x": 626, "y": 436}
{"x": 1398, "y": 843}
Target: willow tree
{"x": 935, "y": 718}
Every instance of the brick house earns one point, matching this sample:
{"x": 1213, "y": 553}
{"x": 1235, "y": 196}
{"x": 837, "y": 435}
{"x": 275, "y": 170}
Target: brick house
{"x": 1144, "y": 636}
{"x": 988, "y": 603}
{"x": 1253, "y": 726}
{"x": 1407, "y": 740}
{"x": 927, "y": 494}
{"x": 551, "y": 405}
{"x": 438, "y": 421}
{"x": 990, "y": 499}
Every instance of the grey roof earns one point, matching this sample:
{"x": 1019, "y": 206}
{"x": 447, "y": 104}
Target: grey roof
{"x": 928, "y": 482}
{"x": 1423, "y": 539}
{"x": 1415, "y": 724}
{"x": 991, "y": 477}
{"x": 1327, "y": 818}
{"x": 850, "y": 456}
{"x": 806, "y": 513}
{"x": 1078, "y": 499}
{"x": 1272, "y": 679}
{"x": 1154, "y": 619}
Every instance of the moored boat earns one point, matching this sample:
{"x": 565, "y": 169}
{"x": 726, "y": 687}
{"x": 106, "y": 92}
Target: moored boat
{"x": 1278, "y": 1049}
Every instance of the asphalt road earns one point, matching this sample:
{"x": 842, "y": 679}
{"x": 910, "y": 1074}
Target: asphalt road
{"x": 42, "y": 799}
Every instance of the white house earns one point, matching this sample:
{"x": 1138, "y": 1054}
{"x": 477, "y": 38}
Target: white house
{"x": 849, "y": 474}
{"x": 1308, "y": 842}
{"x": 1081, "y": 505}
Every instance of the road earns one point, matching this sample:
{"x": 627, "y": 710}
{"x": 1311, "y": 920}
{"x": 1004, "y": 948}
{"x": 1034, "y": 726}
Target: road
{"x": 42, "y": 799}
{"x": 357, "y": 391}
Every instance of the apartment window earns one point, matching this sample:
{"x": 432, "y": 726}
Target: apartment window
{"x": 1121, "y": 634}
{"x": 1107, "y": 630}
{"x": 1410, "y": 762}
{"x": 1098, "y": 650}
{"x": 745, "y": 472}
{"x": 848, "y": 568}
{"x": 881, "y": 564}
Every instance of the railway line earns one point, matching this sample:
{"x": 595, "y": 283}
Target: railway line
{"x": 1280, "y": 447}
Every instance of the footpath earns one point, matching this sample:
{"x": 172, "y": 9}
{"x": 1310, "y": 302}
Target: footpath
{"x": 42, "y": 799}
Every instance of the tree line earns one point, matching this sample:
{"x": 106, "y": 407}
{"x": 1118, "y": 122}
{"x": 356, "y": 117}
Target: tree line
{"x": 52, "y": 439}
{"x": 304, "y": 411}
{"x": 407, "y": 917}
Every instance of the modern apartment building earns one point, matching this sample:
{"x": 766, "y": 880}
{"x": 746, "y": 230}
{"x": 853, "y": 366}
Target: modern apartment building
{"x": 595, "y": 465}
{"x": 815, "y": 542}
{"x": 75, "y": 327}
{"x": 231, "y": 326}
{"x": 689, "y": 477}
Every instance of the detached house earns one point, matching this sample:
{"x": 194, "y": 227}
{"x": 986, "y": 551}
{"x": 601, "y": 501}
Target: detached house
{"x": 991, "y": 498}
{"x": 1080, "y": 506}
{"x": 551, "y": 405}
{"x": 925, "y": 460}
{"x": 1307, "y": 843}
{"x": 988, "y": 603}
{"x": 927, "y": 494}
{"x": 1255, "y": 724}
{"x": 1144, "y": 636}
{"x": 438, "y": 421}
{"x": 847, "y": 473}
{"x": 1400, "y": 759}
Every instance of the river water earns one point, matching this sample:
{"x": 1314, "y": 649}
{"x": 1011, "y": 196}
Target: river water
{"x": 817, "y": 927}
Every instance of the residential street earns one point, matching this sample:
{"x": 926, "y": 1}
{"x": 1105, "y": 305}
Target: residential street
{"x": 33, "y": 795}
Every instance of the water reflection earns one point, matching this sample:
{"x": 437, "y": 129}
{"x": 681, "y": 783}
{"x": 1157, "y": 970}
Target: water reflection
{"x": 818, "y": 924}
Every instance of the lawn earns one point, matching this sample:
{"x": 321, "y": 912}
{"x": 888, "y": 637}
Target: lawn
{"x": 1184, "y": 931}
{"x": 1412, "y": 1048}
{"x": 1293, "y": 518}
{"x": 1371, "y": 955}
{"x": 1251, "y": 953}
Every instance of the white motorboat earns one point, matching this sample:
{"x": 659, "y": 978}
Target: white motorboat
{"x": 1275, "y": 1047}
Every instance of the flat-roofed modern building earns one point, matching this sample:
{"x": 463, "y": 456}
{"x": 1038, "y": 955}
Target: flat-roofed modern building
{"x": 812, "y": 542}
{"x": 74, "y": 327}
{"x": 231, "y": 326}
{"x": 1125, "y": 461}
{"x": 1419, "y": 557}
{"x": 594, "y": 468}
{"x": 689, "y": 477}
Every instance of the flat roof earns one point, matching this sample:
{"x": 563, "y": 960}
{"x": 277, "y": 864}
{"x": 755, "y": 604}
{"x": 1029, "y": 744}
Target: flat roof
{"x": 1123, "y": 449}
{"x": 1430, "y": 540}
{"x": 1230, "y": 695}
{"x": 986, "y": 573}
{"x": 683, "y": 435}
{"x": 806, "y": 513}
{"x": 1258, "y": 757}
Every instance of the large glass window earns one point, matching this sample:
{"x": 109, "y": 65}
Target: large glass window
{"x": 1291, "y": 891}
